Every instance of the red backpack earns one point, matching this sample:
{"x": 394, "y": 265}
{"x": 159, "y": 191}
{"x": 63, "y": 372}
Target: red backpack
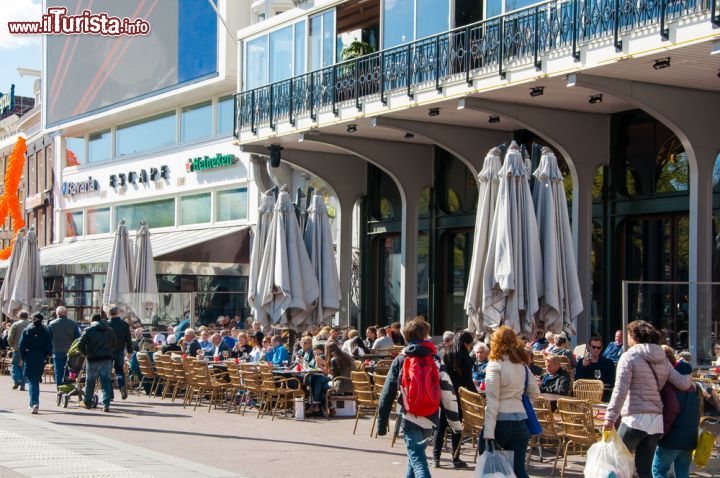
{"x": 420, "y": 385}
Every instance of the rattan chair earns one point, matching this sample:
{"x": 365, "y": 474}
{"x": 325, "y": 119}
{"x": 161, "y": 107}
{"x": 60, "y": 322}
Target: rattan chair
{"x": 278, "y": 394}
{"x": 253, "y": 383}
{"x": 552, "y": 436}
{"x": 204, "y": 385}
{"x": 591, "y": 390}
{"x": 472, "y": 406}
{"x": 382, "y": 367}
{"x": 366, "y": 400}
{"x": 147, "y": 372}
{"x": 578, "y": 425}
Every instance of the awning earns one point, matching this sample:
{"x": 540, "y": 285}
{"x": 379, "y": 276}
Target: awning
{"x": 219, "y": 244}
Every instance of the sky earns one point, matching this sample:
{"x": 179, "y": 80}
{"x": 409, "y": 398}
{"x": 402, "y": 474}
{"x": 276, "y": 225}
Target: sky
{"x": 18, "y": 51}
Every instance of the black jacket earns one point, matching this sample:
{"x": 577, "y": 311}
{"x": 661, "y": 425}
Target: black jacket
{"x": 122, "y": 335}
{"x": 463, "y": 376}
{"x": 98, "y": 342}
{"x": 559, "y": 384}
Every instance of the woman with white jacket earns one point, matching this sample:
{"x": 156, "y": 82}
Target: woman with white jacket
{"x": 505, "y": 380}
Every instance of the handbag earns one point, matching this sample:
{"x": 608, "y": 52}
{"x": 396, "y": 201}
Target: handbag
{"x": 531, "y": 421}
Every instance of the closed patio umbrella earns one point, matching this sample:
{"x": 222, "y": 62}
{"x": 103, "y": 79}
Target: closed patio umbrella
{"x": 318, "y": 241}
{"x": 29, "y": 288}
{"x": 10, "y": 274}
{"x": 286, "y": 282}
{"x": 145, "y": 281}
{"x": 265, "y": 212}
{"x": 512, "y": 279}
{"x": 120, "y": 273}
{"x": 487, "y": 197}
{"x": 561, "y": 301}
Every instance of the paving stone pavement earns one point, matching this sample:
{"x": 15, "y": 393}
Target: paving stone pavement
{"x": 30, "y": 447}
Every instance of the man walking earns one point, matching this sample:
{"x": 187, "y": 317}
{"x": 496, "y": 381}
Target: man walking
{"x": 123, "y": 347}
{"x": 98, "y": 345}
{"x": 63, "y": 332}
{"x": 13, "y": 341}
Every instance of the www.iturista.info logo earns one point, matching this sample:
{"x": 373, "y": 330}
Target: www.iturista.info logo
{"x": 57, "y": 22}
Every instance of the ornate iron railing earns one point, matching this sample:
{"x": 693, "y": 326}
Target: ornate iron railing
{"x": 494, "y": 45}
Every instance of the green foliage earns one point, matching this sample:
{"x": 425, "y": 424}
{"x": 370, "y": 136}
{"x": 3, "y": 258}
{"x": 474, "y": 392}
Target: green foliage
{"x": 356, "y": 49}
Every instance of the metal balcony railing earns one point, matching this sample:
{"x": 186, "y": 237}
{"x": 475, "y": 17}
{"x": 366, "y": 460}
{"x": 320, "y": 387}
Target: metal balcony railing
{"x": 495, "y": 45}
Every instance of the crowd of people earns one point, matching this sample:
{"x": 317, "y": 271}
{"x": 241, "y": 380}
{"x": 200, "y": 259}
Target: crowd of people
{"x": 502, "y": 366}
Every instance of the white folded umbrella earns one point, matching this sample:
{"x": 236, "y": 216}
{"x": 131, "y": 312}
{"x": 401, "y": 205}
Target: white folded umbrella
{"x": 318, "y": 241}
{"x": 286, "y": 282}
{"x": 120, "y": 273}
{"x": 265, "y": 212}
{"x": 146, "y": 298}
{"x": 561, "y": 299}
{"x": 10, "y": 274}
{"x": 512, "y": 279}
{"x": 487, "y": 197}
{"x": 29, "y": 288}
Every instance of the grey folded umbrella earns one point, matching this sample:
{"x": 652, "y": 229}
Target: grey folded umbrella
{"x": 145, "y": 281}
{"x": 318, "y": 241}
{"x": 10, "y": 275}
{"x": 29, "y": 289}
{"x": 120, "y": 273}
{"x": 265, "y": 212}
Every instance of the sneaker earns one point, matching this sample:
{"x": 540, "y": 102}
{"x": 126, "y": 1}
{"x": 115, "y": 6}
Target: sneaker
{"x": 459, "y": 464}
{"x": 35, "y": 409}
{"x": 106, "y": 408}
{"x": 123, "y": 393}
{"x": 436, "y": 463}
{"x": 15, "y": 386}
{"x": 84, "y": 405}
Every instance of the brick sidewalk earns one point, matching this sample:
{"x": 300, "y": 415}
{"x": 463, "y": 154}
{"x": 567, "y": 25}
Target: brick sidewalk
{"x": 244, "y": 446}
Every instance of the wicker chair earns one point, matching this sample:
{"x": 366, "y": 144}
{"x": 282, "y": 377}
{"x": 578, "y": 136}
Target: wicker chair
{"x": 277, "y": 393}
{"x": 579, "y": 427}
{"x": 552, "y": 435}
{"x": 591, "y": 390}
{"x": 472, "y": 406}
{"x": 382, "y": 367}
{"x": 365, "y": 398}
{"x": 253, "y": 383}
{"x": 148, "y": 373}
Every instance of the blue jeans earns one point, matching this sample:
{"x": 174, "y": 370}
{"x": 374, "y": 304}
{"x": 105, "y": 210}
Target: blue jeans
{"x": 320, "y": 386}
{"x": 101, "y": 369}
{"x": 59, "y": 361}
{"x": 17, "y": 372}
{"x": 511, "y": 435}
{"x": 664, "y": 457}
{"x": 415, "y": 442}
{"x": 119, "y": 365}
{"x": 34, "y": 389}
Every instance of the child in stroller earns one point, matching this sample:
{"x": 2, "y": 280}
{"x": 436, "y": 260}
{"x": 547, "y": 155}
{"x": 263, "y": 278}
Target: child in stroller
{"x": 73, "y": 384}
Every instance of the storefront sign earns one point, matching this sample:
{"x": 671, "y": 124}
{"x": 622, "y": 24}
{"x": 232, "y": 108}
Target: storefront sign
{"x": 7, "y": 101}
{"x": 34, "y": 201}
{"x": 142, "y": 176}
{"x": 72, "y": 188}
{"x": 202, "y": 163}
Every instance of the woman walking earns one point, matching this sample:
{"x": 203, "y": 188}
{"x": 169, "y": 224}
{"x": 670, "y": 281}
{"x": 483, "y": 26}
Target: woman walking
{"x": 507, "y": 378}
{"x": 35, "y": 347}
{"x": 459, "y": 366}
{"x": 641, "y": 373}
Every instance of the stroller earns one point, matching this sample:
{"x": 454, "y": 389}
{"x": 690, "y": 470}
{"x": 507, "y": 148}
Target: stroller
{"x": 73, "y": 384}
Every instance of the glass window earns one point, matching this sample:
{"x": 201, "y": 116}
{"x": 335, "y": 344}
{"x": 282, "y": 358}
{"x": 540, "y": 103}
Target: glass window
{"x": 145, "y": 135}
{"x": 281, "y": 54}
{"x": 74, "y": 224}
{"x": 196, "y": 122}
{"x": 74, "y": 151}
{"x": 432, "y": 17}
{"x": 232, "y": 204}
{"x": 322, "y": 40}
{"x": 225, "y": 115}
{"x": 398, "y": 22}
{"x": 328, "y": 37}
{"x": 155, "y": 214}
{"x": 299, "y": 48}
{"x": 493, "y": 8}
{"x": 99, "y": 220}
{"x": 195, "y": 209}
{"x": 315, "y": 36}
{"x": 511, "y": 5}
{"x": 99, "y": 146}
{"x": 256, "y": 63}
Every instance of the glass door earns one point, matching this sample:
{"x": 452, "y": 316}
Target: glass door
{"x": 455, "y": 257}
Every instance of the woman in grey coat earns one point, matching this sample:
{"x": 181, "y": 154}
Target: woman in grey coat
{"x": 641, "y": 373}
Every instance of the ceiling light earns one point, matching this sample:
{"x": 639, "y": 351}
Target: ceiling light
{"x": 662, "y": 63}
{"x": 351, "y": 128}
{"x": 493, "y": 119}
{"x": 409, "y": 135}
{"x": 275, "y": 155}
{"x": 433, "y": 111}
{"x": 595, "y": 99}
{"x": 537, "y": 91}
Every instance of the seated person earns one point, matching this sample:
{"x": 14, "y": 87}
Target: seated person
{"x": 555, "y": 380}
{"x": 615, "y": 349}
{"x": 354, "y": 345}
{"x": 205, "y": 343}
{"x": 481, "y": 360}
{"x": 684, "y": 363}
{"x": 257, "y": 351}
{"x": 172, "y": 345}
{"x": 277, "y": 354}
{"x": 534, "y": 369}
{"x": 383, "y": 342}
{"x": 192, "y": 345}
{"x": 340, "y": 365}
{"x": 540, "y": 343}
{"x": 593, "y": 363}
{"x": 227, "y": 337}
{"x": 563, "y": 348}
{"x": 219, "y": 347}
{"x": 242, "y": 347}
{"x": 305, "y": 352}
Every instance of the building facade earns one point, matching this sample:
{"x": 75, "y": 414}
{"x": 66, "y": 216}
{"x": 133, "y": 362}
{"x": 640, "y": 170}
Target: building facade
{"x": 395, "y": 105}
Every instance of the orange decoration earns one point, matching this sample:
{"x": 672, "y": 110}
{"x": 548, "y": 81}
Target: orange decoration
{"x": 9, "y": 201}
